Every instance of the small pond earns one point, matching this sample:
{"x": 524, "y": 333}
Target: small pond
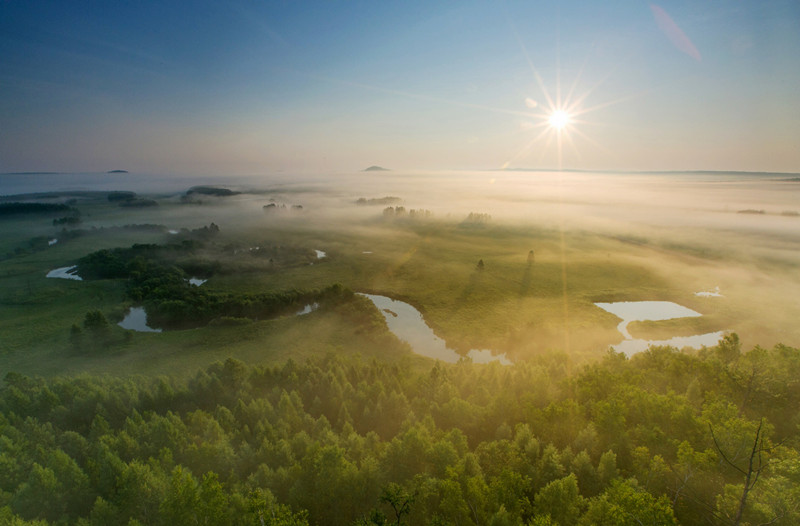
{"x": 709, "y": 294}
{"x": 407, "y": 323}
{"x": 645, "y": 311}
{"x": 630, "y": 311}
{"x": 65, "y": 273}
{"x": 136, "y": 320}
{"x": 320, "y": 254}
{"x": 196, "y": 281}
{"x": 310, "y": 307}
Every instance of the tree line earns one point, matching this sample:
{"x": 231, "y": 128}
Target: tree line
{"x": 158, "y": 277}
{"x": 17, "y": 208}
{"x": 662, "y": 438}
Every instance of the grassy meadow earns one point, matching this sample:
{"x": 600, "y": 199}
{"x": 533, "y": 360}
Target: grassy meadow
{"x": 517, "y": 304}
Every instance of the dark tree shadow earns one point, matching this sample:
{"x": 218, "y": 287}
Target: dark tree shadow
{"x": 525, "y": 283}
{"x": 474, "y": 279}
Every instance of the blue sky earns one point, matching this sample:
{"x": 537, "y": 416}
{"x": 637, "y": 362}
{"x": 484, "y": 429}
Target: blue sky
{"x": 259, "y": 87}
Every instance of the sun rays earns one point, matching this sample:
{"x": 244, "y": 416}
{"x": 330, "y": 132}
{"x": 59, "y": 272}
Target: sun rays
{"x": 555, "y": 124}
{"x": 559, "y": 119}
{"x": 556, "y": 121}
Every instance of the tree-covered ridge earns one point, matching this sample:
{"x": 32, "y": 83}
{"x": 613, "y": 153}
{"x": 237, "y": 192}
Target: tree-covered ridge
{"x": 661, "y": 438}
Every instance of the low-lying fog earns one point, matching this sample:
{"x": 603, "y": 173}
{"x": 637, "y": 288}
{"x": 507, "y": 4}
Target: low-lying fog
{"x": 736, "y": 231}
{"x": 676, "y": 207}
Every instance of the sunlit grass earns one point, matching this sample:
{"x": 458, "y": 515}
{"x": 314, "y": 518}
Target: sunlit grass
{"x": 510, "y": 306}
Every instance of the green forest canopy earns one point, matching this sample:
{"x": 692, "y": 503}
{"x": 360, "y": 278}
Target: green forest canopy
{"x": 661, "y": 438}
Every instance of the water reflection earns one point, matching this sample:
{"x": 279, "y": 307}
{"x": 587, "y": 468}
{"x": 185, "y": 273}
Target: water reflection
{"x": 136, "y": 320}
{"x": 633, "y": 346}
{"x": 65, "y": 273}
{"x": 630, "y": 311}
{"x": 709, "y": 294}
{"x": 310, "y": 307}
{"x": 407, "y": 323}
{"x": 645, "y": 311}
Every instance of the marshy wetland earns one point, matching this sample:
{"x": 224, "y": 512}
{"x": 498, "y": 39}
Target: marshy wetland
{"x": 307, "y": 350}
{"x": 397, "y": 263}
{"x": 512, "y": 261}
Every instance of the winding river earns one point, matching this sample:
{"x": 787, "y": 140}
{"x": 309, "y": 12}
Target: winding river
{"x": 407, "y": 323}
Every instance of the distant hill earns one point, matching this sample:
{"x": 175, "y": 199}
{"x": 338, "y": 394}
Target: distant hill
{"x": 211, "y": 190}
{"x": 374, "y": 168}
{"x": 117, "y": 172}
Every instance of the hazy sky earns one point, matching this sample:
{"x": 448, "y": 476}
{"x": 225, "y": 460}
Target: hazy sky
{"x": 247, "y": 87}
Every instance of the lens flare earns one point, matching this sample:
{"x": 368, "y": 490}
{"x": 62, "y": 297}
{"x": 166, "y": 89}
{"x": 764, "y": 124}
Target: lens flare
{"x": 559, "y": 119}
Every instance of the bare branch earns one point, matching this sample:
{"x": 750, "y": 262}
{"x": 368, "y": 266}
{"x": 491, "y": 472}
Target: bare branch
{"x": 722, "y": 453}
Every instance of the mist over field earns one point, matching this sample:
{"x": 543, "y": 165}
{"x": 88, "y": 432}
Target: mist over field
{"x": 399, "y": 263}
{"x": 279, "y": 365}
{"x": 576, "y": 199}
{"x": 748, "y": 213}
{"x": 691, "y": 231}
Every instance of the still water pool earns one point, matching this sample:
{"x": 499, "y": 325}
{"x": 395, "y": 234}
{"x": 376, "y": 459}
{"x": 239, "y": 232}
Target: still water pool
{"x": 65, "y": 273}
{"x": 629, "y": 311}
{"x": 407, "y": 323}
{"x": 136, "y": 320}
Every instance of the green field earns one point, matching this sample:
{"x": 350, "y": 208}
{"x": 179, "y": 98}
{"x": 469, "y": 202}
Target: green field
{"x": 512, "y": 305}
{"x": 252, "y": 414}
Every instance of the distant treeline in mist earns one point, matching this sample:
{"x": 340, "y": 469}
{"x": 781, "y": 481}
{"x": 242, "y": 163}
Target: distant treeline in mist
{"x": 387, "y": 200}
{"x": 662, "y": 438}
{"x": 8, "y": 209}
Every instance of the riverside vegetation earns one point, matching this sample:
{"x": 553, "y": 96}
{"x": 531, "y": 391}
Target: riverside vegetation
{"x": 242, "y": 412}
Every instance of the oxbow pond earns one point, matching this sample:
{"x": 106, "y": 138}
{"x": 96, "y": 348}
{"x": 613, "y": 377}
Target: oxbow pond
{"x": 629, "y": 311}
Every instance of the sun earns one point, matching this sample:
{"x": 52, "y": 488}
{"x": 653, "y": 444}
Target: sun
{"x": 556, "y": 119}
{"x": 559, "y": 119}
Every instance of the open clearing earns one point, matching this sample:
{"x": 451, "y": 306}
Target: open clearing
{"x": 520, "y": 276}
